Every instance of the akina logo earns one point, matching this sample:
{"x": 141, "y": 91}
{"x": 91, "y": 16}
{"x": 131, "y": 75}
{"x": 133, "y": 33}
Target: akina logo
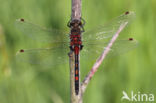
{"x": 140, "y": 97}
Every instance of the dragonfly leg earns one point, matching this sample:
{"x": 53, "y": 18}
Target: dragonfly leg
{"x": 81, "y": 46}
{"x": 68, "y": 24}
{"x": 82, "y": 26}
{"x": 71, "y": 48}
{"x": 82, "y": 29}
{"x": 83, "y": 22}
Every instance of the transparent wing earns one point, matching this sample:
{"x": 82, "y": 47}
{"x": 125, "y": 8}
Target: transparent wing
{"x": 93, "y": 51}
{"x": 94, "y": 42}
{"x": 47, "y": 57}
{"x": 103, "y": 32}
{"x": 42, "y": 34}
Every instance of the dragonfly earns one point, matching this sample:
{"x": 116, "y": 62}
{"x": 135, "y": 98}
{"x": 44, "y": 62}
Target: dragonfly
{"x": 89, "y": 44}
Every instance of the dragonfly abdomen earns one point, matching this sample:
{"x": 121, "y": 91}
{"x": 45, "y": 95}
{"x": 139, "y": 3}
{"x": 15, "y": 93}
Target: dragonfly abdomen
{"x": 76, "y": 74}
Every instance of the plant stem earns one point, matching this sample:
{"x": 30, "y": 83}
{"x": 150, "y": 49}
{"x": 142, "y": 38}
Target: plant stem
{"x": 76, "y": 9}
{"x": 76, "y": 14}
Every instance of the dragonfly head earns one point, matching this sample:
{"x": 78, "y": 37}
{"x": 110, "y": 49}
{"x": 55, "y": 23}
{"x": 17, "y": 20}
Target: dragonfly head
{"x": 75, "y": 23}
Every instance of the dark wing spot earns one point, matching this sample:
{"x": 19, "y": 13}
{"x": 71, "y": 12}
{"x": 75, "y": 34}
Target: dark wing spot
{"x": 21, "y": 50}
{"x": 127, "y": 12}
{"x": 22, "y": 20}
{"x": 130, "y": 39}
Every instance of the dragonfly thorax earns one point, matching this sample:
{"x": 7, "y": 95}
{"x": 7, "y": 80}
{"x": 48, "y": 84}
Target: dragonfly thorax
{"x": 75, "y": 36}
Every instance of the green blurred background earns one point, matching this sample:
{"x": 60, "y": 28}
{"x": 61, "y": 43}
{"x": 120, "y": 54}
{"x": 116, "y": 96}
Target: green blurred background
{"x": 26, "y": 83}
